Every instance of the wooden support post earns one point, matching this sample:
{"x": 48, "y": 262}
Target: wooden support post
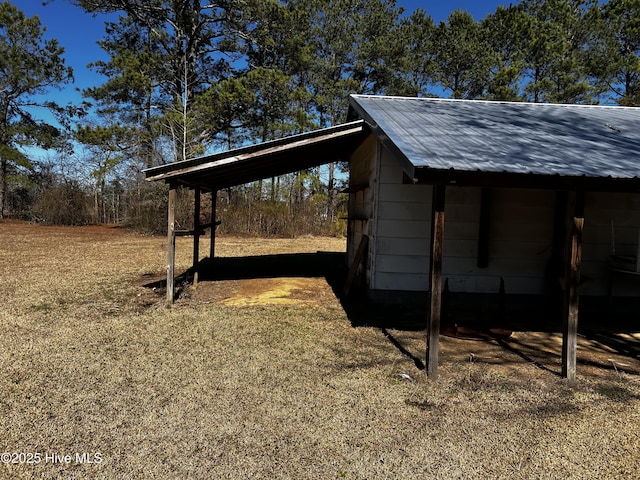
{"x": 196, "y": 235}
{"x": 435, "y": 282}
{"x": 171, "y": 244}
{"x": 212, "y": 247}
{"x": 572, "y": 279}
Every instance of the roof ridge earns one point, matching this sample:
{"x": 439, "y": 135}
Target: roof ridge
{"x": 495, "y": 102}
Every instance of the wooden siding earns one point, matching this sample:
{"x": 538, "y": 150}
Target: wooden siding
{"x": 361, "y": 197}
{"x": 400, "y": 258}
{"x": 520, "y": 238}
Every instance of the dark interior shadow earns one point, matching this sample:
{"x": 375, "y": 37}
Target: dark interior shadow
{"x": 312, "y": 265}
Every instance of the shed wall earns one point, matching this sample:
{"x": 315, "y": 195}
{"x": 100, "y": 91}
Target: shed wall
{"x": 401, "y": 235}
{"x": 362, "y": 182}
{"x": 520, "y": 237}
{"x": 520, "y": 233}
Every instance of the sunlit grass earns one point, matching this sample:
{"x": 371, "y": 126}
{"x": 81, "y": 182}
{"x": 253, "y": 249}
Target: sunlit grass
{"x": 92, "y": 361}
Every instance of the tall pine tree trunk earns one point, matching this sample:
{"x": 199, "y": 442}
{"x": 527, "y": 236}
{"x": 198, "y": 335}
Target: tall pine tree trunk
{"x": 3, "y": 186}
{"x": 331, "y": 194}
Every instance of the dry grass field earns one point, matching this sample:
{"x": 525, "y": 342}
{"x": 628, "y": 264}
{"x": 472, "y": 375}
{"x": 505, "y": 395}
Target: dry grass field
{"x": 267, "y": 378}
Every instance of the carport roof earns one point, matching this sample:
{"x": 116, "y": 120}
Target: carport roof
{"x": 269, "y": 159}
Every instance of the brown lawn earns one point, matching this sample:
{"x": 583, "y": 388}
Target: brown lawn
{"x": 267, "y": 378}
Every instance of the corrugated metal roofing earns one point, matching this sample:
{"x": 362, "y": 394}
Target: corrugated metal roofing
{"x": 544, "y": 139}
{"x": 263, "y": 160}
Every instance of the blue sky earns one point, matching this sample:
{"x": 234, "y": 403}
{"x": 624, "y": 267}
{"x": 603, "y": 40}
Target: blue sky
{"x": 78, "y": 32}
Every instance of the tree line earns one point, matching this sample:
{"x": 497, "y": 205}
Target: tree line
{"x": 187, "y": 77}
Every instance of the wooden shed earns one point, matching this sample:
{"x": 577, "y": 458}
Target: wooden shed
{"x": 487, "y": 198}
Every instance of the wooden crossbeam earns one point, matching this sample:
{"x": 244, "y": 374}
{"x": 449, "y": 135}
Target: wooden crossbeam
{"x": 204, "y": 226}
{"x": 189, "y": 233}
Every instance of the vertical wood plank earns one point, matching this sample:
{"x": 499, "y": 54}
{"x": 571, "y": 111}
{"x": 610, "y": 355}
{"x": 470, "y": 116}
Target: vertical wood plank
{"x": 361, "y": 254}
{"x": 212, "y": 246}
{"x": 572, "y": 277}
{"x": 171, "y": 243}
{"x": 484, "y": 228}
{"x": 435, "y": 280}
{"x": 196, "y": 235}
{"x": 196, "y": 227}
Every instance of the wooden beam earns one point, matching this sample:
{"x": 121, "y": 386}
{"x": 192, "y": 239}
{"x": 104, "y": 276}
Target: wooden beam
{"x": 435, "y": 280}
{"x": 572, "y": 277}
{"x": 189, "y": 233}
{"x": 196, "y": 235}
{"x": 204, "y": 226}
{"x": 309, "y": 140}
{"x": 171, "y": 244}
{"x": 214, "y": 224}
{"x": 460, "y": 178}
{"x": 196, "y": 227}
{"x": 484, "y": 229}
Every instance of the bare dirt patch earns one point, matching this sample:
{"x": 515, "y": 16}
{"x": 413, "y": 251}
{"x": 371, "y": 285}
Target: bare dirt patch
{"x": 279, "y": 291}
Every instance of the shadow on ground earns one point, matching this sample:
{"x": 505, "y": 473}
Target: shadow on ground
{"x": 608, "y": 329}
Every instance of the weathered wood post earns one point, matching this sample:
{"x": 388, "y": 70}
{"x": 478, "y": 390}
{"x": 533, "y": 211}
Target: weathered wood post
{"x": 572, "y": 280}
{"x": 212, "y": 246}
{"x": 171, "y": 243}
{"x": 196, "y": 235}
{"x": 435, "y": 280}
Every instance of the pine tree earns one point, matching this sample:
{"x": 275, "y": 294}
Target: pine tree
{"x": 30, "y": 66}
{"x": 197, "y": 42}
{"x": 615, "y": 53}
{"x": 556, "y": 34}
{"x": 463, "y": 56}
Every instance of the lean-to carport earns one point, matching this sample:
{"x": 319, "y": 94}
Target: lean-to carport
{"x": 237, "y": 167}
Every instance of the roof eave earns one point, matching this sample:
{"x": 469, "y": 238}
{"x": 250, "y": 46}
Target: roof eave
{"x": 180, "y": 172}
{"x": 426, "y": 175}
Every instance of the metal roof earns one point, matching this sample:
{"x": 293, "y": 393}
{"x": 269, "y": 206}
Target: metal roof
{"x": 500, "y": 137}
{"x": 450, "y": 141}
{"x": 264, "y": 160}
